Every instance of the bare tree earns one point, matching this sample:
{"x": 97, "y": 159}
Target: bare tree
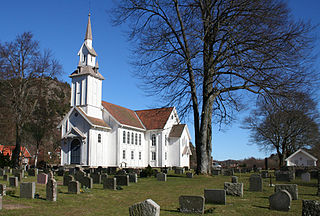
{"x": 21, "y": 64}
{"x": 285, "y": 125}
{"x": 205, "y": 55}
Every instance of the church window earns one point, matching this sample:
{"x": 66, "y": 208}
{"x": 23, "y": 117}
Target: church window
{"x": 153, "y": 155}
{"x": 91, "y": 58}
{"x": 124, "y": 154}
{"x": 165, "y": 140}
{"x": 99, "y": 138}
{"x": 132, "y": 155}
{"x": 128, "y": 137}
{"x": 136, "y": 139}
{"x": 165, "y": 155}
{"x": 76, "y": 114}
{"x": 139, "y": 155}
{"x": 139, "y": 139}
{"x": 124, "y": 137}
{"x": 153, "y": 140}
{"x": 132, "y": 139}
{"x": 84, "y": 58}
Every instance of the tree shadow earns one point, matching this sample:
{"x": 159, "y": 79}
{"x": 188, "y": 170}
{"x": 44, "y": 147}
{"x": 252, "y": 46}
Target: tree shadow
{"x": 264, "y": 207}
{"x": 168, "y": 210}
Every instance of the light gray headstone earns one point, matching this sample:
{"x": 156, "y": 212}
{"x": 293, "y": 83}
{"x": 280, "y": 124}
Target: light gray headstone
{"x": 310, "y": 208}
{"x": 145, "y": 208}
{"x": 27, "y": 190}
{"x": 291, "y": 188}
{"x": 13, "y": 181}
{"x": 74, "y": 187}
{"x": 110, "y": 183}
{"x": 51, "y": 189}
{"x": 133, "y": 177}
{"x": 305, "y": 177}
{"x": 122, "y": 180}
{"x": 280, "y": 201}
{"x": 215, "y": 196}
{"x": 191, "y": 204}
{"x": 233, "y": 189}
{"x": 255, "y": 183}
{"x": 161, "y": 177}
{"x": 42, "y": 178}
{"x": 0, "y": 202}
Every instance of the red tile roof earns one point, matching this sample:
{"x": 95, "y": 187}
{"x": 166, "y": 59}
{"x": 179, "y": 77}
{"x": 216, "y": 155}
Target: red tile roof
{"x": 123, "y": 115}
{"x": 155, "y": 118}
{"x": 8, "y": 150}
{"x": 95, "y": 121}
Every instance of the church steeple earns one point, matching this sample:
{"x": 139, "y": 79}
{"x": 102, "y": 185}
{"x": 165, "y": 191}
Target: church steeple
{"x": 88, "y": 32}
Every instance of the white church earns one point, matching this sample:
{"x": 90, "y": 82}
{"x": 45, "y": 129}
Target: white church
{"x": 98, "y": 133}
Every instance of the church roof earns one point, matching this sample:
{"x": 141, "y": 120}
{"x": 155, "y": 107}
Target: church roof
{"x": 88, "y": 32}
{"x": 155, "y": 118}
{"x": 91, "y": 50}
{"x": 177, "y": 130}
{"x": 123, "y": 115}
{"x": 94, "y": 121}
{"x": 86, "y": 70}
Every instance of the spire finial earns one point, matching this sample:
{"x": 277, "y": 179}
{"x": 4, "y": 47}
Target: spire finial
{"x": 88, "y": 32}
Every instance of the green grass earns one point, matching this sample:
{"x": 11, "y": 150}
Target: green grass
{"x": 106, "y": 202}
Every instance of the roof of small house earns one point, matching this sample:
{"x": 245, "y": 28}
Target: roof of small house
{"x": 155, "y": 118}
{"x": 302, "y": 151}
{"x": 123, "y": 115}
{"x": 177, "y": 130}
{"x": 6, "y": 149}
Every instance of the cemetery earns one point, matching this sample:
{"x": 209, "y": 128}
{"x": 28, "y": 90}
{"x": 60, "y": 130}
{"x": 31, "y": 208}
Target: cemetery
{"x": 125, "y": 192}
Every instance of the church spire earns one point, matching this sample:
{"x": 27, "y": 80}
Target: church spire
{"x": 88, "y": 32}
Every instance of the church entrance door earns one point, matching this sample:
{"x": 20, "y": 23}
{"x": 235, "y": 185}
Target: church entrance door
{"x": 75, "y": 151}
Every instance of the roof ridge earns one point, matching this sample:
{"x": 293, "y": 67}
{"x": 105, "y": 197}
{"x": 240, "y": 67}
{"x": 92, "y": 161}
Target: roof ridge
{"x": 155, "y": 109}
{"x": 118, "y": 105}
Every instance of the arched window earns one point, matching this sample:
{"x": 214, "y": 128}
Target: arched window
{"x": 128, "y": 137}
{"x": 132, "y": 137}
{"x": 124, "y": 137}
{"x": 99, "y": 138}
{"x": 136, "y": 139}
{"x": 139, "y": 139}
{"x": 153, "y": 139}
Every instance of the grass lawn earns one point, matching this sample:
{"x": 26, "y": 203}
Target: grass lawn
{"x": 106, "y": 202}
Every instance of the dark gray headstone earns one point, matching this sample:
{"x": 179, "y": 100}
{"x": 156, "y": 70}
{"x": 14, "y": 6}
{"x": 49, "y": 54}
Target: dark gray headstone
{"x": 234, "y": 179}
{"x": 74, "y": 187}
{"x": 32, "y": 172}
{"x": 215, "y": 172}
{"x": 67, "y": 179}
{"x": 103, "y": 177}
{"x": 42, "y": 178}
{"x": 13, "y": 181}
{"x": 310, "y": 208}
{"x": 27, "y": 190}
{"x": 3, "y": 188}
{"x": 291, "y": 188}
{"x": 179, "y": 170}
{"x": 280, "y": 201}
{"x": 2, "y": 172}
{"x": 255, "y": 183}
{"x": 145, "y": 208}
{"x": 110, "y": 183}
{"x": 87, "y": 182}
{"x": 122, "y": 180}
{"x": 19, "y": 176}
{"x": 215, "y": 196}
{"x": 96, "y": 178}
{"x": 133, "y": 177}
{"x": 6, "y": 178}
{"x": 162, "y": 177}
{"x": 189, "y": 175}
{"x": 233, "y": 189}
{"x": 305, "y": 177}
{"x": 191, "y": 204}
{"x": 51, "y": 190}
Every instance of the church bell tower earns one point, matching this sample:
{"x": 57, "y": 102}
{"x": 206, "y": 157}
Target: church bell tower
{"x": 86, "y": 89}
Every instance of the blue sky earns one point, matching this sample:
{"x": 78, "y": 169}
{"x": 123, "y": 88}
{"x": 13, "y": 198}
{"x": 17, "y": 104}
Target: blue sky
{"x": 60, "y": 26}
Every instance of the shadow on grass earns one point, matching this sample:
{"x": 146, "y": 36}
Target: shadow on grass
{"x": 306, "y": 194}
{"x": 263, "y": 207}
{"x": 180, "y": 176}
{"x": 207, "y": 211}
{"x": 167, "y": 210}
{"x": 307, "y": 184}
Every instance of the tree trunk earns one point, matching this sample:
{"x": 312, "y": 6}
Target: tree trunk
{"x": 16, "y": 152}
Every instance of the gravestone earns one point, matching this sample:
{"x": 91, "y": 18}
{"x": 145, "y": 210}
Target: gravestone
{"x": 103, "y": 177}
{"x": 285, "y": 175}
{"x": 264, "y": 174}
{"x": 145, "y": 208}
{"x": 50, "y": 175}
{"x": 191, "y": 204}
{"x": 255, "y": 183}
{"x": 234, "y": 179}
{"x": 96, "y": 178}
{"x": 6, "y": 178}
{"x": 2, "y": 172}
{"x": 27, "y": 190}
{"x": 234, "y": 189}
{"x": 305, "y": 177}
{"x": 0, "y": 202}
{"x": 122, "y": 180}
{"x": 227, "y": 172}
{"x": 310, "y": 208}
{"x": 280, "y": 201}
{"x": 110, "y": 183}
{"x": 215, "y": 196}
{"x": 42, "y": 178}
{"x": 61, "y": 171}
{"x": 74, "y": 187}
{"x": 67, "y": 179}
{"x": 19, "y": 176}
{"x": 291, "y": 188}
{"x": 87, "y": 182}
{"x": 32, "y": 172}
{"x": 179, "y": 170}
{"x": 3, "y": 188}
{"x": 51, "y": 190}
{"x": 162, "y": 177}
{"x": 8, "y": 170}
{"x": 133, "y": 177}
{"x": 122, "y": 172}
{"x": 72, "y": 171}
{"x": 189, "y": 175}
{"x": 215, "y": 172}
{"x": 318, "y": 193}
{"x": 13, "y": 181}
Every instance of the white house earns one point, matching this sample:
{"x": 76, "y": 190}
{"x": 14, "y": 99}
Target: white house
{"x": 99, "y": 133}
{"x": 301, "y": 158}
